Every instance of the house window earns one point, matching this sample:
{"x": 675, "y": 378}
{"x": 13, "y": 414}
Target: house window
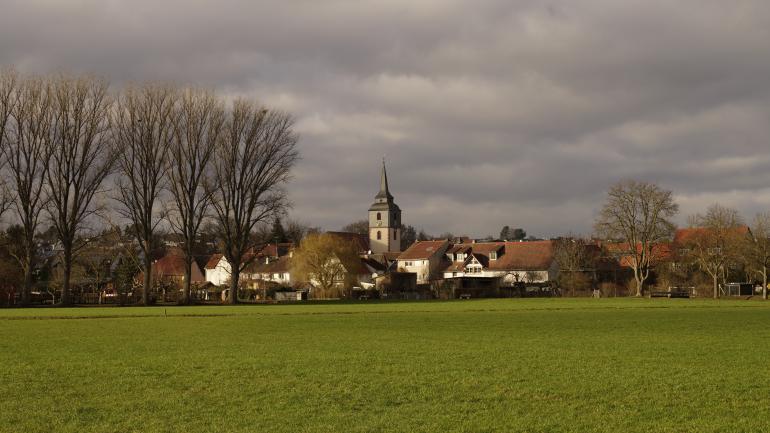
{"x": 460, "y": 256}
{"x": 493, "y": 255}
{"x": 379, "y": 235}
{"x": 395, "y": 235}
{"x": 379, "y": 216}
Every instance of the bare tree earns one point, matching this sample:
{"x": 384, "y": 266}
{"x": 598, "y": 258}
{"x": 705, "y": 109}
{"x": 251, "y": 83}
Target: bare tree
{"x": 360, "y": 227}
{"x": 142, "y": 135}
{"x": 81, "y": 158}
{"x": 296, "y": 231}
{"x": 8, "y": 98}
{"x": 576, "y": 262}
{"x": 715, "y": 241}
{"x": 639, "y": 215}
{"x": 756, "y": 248}
{"x": 26, "y": 156}
{"x": 197, "y": 129}
{"x": 252, "y": 163}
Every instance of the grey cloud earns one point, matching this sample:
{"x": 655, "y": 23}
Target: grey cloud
{"x": 490, "y": 113}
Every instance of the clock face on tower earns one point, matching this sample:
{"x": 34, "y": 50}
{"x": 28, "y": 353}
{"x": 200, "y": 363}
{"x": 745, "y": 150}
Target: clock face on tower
{"x": 379, "y": 223}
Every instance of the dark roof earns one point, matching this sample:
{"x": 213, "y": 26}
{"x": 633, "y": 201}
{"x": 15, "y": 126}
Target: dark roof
{"x": 384, "y": 191}
{"x": 374, "y": 264}
{"x": 279, "y": 266}
{"x": 361, "y": 241}
{"x": 275, "y": 250}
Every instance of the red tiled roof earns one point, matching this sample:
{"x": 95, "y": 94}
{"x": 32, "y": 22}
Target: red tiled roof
{"x": 660, "y": 251}
{"x": 213, "y": 261}
{"x": 524, "y": 256}
{"x": 689, "y": 234}
{"x": 512, "y": 256}
{"x": 172, "y": 266}
{"x": 458, "y": 248}
{"x": 423, "y": 250}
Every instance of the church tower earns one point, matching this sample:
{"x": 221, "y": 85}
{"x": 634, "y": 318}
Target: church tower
{"x": 384, "y": 220}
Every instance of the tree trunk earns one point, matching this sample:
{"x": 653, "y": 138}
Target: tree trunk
{"x": 764, "y": 284}
{"x": 65, "y": 290}
{"x": 639, "y": 286}
{"x": 234, "y": 276}
{"x": 187, "y": 282}
{"x": 716, "y": 285}
{"x": 147, "y": 279}
{"x": 25, "y": 292}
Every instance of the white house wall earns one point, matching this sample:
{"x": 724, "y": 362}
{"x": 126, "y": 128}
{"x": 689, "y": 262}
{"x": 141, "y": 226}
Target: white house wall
{"x": 220, "y": 274}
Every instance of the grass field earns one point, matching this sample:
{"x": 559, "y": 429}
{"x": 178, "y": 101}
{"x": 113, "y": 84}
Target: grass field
{"x": 549, "y": 365}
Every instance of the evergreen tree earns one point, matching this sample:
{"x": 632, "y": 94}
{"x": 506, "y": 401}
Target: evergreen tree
{"x": 505, "y": 233}
{"x": 278, "y": 234}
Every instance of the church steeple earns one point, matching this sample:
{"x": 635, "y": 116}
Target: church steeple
{"x": 384, "y": 219}
{"x": 384, "y": 191}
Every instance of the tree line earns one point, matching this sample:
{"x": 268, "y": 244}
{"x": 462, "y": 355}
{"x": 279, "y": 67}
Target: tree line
{"x": 72, "y": 149}
{"x": 638, "y": 217}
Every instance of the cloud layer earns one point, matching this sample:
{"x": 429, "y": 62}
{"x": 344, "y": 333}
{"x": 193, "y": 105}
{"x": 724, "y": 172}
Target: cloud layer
{"x": 489, "y": 112}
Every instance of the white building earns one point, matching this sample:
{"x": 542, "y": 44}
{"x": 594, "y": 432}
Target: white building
{"x": 425, "y": 259}
{"x": 218, "y": 270}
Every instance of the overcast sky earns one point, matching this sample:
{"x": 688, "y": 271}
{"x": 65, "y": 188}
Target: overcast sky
{"x": 488, "y": 112}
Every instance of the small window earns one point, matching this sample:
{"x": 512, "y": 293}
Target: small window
{"x": 395, "y": 235}
{"x": 379, "y": 216}
{"x": 493, "y": 255}
{"x": 379, "y": 235}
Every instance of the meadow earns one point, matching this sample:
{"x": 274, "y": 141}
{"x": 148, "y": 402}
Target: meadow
{"x": 507, "y": 365}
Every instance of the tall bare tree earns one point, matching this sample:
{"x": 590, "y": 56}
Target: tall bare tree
{"x": 81, "y": 158}
{"x": 198, "y": 126}
{"x": 756, "y": 248}
{"x": 715, "y": 242}
{"x": 26, "y": 156}
{"x": 252, "y": 164}
{"x": 638, "y": 214}
{"x": 142, "y": 135}
{"x": 9, "y": 80}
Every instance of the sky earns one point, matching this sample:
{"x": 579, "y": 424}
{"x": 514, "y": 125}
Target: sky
{"x": 488, "y": 112}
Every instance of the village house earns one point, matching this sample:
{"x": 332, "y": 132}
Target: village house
{"x": 510, "y": 262}
{"x": 168, "y": 271}
{"x": 424, "y": 259}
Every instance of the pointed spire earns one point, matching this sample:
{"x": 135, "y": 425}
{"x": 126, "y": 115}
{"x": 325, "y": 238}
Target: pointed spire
{"x": 384, "y": 192}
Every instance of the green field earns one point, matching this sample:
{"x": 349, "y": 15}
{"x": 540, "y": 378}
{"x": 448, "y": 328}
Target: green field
{"x": 549, "y": 365}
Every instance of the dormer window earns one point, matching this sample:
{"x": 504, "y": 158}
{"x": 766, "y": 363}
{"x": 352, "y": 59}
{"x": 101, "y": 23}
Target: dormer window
{"x": 493, "y": 255}
{"x": 460, "y": 257}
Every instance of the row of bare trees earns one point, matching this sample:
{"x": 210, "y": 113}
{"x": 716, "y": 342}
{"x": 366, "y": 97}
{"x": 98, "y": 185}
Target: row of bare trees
{"x": 638, "y": 216}
{"x": 70, "y": 147}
